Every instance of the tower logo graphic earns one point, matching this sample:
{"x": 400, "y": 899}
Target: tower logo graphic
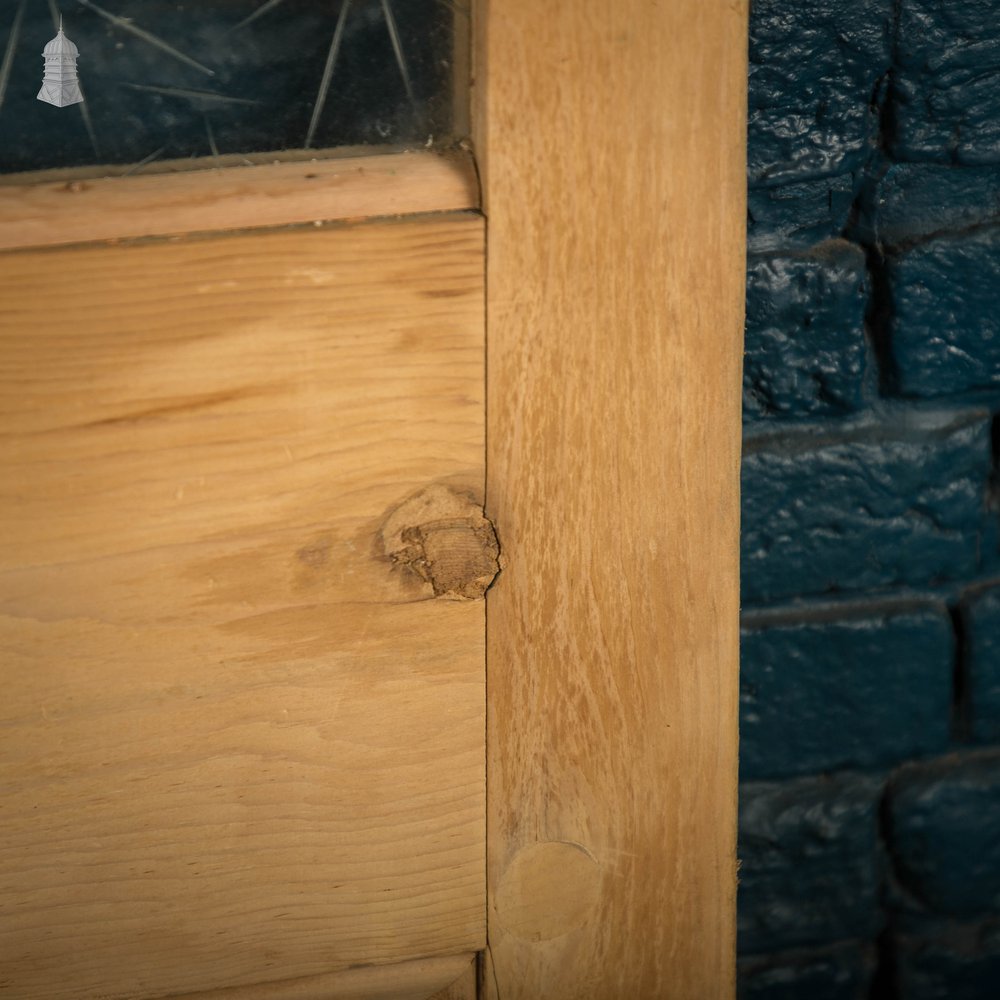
{"x": 60, "y": 85}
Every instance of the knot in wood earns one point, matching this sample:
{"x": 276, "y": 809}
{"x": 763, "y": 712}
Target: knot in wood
{"x": 442, "y": 535}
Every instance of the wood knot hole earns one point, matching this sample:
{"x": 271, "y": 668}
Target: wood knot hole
{"x": 441, "y": 535}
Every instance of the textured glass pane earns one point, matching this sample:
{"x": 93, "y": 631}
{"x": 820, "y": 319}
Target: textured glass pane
{"x": 166, "y": 80}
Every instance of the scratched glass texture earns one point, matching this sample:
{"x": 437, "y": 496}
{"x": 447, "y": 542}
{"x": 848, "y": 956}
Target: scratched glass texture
{"x": 163, "y": 80}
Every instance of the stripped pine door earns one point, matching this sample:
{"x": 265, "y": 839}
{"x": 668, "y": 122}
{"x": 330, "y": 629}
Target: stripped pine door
{"x": 245, "y": 732}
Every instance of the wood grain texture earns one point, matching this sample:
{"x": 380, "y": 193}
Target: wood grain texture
{"x": 465, "y": 987}
{"x": 418, "y": 980}
{"x": 611, "y": 140}
{"x": 236, "y": 743}
{"x": 49, "y": 208}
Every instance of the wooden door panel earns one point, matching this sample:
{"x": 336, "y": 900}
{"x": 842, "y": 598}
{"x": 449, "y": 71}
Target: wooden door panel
{"x": 237, "y": 744}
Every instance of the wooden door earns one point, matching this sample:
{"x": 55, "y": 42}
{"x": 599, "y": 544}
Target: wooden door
{"x": 246, "y": 670}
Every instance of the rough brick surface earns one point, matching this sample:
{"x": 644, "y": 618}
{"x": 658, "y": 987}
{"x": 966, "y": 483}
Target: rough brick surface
{"x": 945, "y": 331}
{"x": 805, "y": 340}
{"x": 981, "y": 614}
{"x": 867, "y": 692}
{"x": 956, "y": 963}
{"x": 838, "y": 972}
{"x": 944, "y": 833}
{"x": 915, "y": 201}
{"x": 900, "y": 502}
{"x": 946, "y": 97}
{"x": 797, "y": 216}
{"x": 814, "y": 68}
{"x": 810, "y": 862}
{"x": 868, "y": 474}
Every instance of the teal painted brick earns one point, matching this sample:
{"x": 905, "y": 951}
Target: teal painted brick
{"x": 810, "y": 862}
{"x": 945, "y": 331}
{"x": 797, "y": 216}
{"x": 805, "y": 339}
{"x": 981, "y": 614}
{"x": 946, "y": 93}
{"x": 901, "y": 502}
{"x": 838, "y": 972}
{"x": 814, "y": 68}
{"x": 864, "y": 692}
{"x": 961, "y": 962}
{"x": 916, "y": 201}
{"x": 944, "y": 833}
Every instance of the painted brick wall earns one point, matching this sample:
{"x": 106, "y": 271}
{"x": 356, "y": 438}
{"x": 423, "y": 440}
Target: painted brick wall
{"x": 870, "y": 687}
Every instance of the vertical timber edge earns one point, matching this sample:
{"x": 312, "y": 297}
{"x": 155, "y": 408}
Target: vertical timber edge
{"x": 610, "y": 140}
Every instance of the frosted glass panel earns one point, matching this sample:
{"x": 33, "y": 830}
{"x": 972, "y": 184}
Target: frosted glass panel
{"x": 164, "y": 80}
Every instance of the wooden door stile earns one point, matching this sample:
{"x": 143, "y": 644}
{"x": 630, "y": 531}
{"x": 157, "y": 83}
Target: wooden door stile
{"x": 610, "y": 139}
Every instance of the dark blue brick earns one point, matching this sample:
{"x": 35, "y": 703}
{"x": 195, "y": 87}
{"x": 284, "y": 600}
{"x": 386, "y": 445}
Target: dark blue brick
{"x": 962, "y": 963}
{"x": 981, "y": 614}
{"x": 915, "y": 201}
{"x": 797, "y": 216}
{"x": 945, "y": 331}
{"x": 944, "y": 833}
{"x": 805, "y": 339}
{"x": 810, "y": 862}
{"x": 814, "y": 68}
{"x": 821, "y": 695}
{"x": 838, "y": 972}
{"x": 946, "y": 94}
{"x": 893, "y": 503}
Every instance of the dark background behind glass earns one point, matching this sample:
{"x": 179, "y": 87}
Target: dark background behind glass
{"x": 260, "y": 96}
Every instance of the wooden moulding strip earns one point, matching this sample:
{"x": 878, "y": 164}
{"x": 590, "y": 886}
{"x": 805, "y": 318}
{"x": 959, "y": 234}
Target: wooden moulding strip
{"x": 610, "y": 137}
{"x": 424, "y": 979}
{"x": 42, "y": 210}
